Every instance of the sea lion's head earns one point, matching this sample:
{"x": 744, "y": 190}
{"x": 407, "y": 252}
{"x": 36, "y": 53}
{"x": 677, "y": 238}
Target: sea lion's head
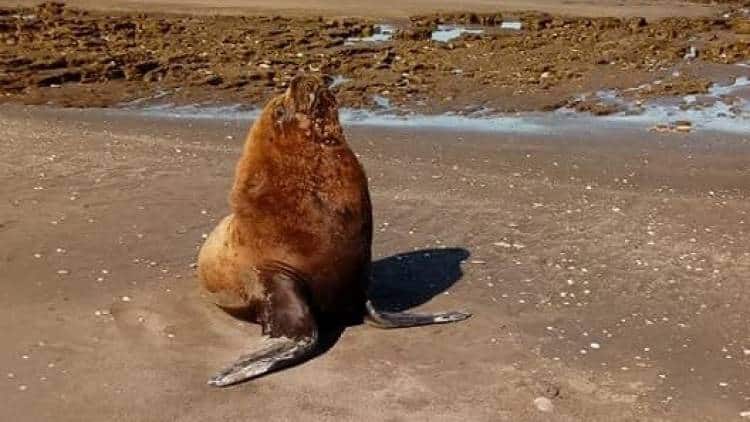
{"x": 306, "y": 112}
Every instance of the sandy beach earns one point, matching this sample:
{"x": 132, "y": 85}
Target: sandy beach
{"x": 605, "y": 272}
{"x": 593, "y": 220}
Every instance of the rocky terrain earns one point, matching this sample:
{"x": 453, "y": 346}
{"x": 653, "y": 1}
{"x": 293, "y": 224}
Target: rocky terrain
{"x": 52, "y": 54}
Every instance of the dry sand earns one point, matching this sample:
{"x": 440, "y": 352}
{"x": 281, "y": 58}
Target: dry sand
{"x": 606, "y": 273}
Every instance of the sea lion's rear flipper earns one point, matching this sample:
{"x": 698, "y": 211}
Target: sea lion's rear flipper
{"x": 382, "y": 319}
{"x": 290, "y": 327}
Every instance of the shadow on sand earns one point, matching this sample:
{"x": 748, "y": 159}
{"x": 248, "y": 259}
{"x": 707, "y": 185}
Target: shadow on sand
{"x": 404, "y": 281}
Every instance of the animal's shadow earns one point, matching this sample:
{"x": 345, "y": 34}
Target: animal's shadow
{"x": 404, "y": 281}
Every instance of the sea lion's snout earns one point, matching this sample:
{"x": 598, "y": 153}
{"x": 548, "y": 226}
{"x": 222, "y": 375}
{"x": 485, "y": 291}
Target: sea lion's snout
{"x": 313, "y": 108}
{"x": 309, "y": 95}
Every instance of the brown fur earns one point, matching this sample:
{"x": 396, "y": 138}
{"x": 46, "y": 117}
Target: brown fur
{"x": 300, "y": 208}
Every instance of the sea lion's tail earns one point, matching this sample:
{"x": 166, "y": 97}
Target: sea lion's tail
{"x": 382, "y": 319}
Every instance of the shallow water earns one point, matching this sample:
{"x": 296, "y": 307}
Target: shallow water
{"x": 383, "y": 32}
{"x": 715, "y": 116}
{"x": 338, "y": 80}
{"x": 445, "y": 33}
{"x": 514, "y": 25}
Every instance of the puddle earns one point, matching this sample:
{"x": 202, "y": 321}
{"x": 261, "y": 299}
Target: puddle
{"x": 338, "y": 80}
{"x": 382, "y": 101}
{"x": 445, "y": 33}
{"x": 383, "y": 32}
{"x": 514, "y": 25}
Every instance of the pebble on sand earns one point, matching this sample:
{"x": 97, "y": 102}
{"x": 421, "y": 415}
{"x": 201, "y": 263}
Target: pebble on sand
{"x": 126, "y": 299}
{"x": 544, "y": 404}
{"x": 745, "y": 414}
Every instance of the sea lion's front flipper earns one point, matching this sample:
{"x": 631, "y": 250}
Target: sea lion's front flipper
{"x": 382, "y": 319}
{"x": 290, "y": 327}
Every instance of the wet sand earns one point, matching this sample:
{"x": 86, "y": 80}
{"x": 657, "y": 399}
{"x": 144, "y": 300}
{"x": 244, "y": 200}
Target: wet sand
{"x": 606, "y": 271}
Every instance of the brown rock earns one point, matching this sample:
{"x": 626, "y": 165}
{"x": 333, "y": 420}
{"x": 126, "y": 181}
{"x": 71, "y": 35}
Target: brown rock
{"x": 57, "y": 77}
{"x": 213, "y": 80}
{"x": 416, "y": 34}
{"x": 741, "y": 26}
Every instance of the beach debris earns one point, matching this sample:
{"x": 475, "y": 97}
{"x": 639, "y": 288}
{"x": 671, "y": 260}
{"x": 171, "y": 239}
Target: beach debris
{"x": 543, "y": 404}
{"x": 679, "y": 126}
{"x": 691, "y": 54}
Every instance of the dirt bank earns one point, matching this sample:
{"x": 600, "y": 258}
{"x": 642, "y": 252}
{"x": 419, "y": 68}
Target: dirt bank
{"x": 57, "y": 55}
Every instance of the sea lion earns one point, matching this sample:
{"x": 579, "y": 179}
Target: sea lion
{"x": 297, "y": 246}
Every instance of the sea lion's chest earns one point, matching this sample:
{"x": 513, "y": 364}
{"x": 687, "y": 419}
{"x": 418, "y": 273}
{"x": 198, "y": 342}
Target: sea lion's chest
{"x": 312, "y": 201}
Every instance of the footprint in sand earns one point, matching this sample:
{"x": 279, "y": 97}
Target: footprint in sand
{"x": 186, "y": 321}
{"x": 143, "y": 322}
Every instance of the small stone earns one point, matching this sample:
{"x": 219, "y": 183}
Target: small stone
{"x": 63, "y": 272}
{"x": 544, "y": 404}
{"x": 745, "y": 414}
{"x": 126, "y": 299}
{"x": 11, "y": 375}
{"x": 23, "y": 387}
{"x": 595, "y": 346}
{"x": 37, "y": 255}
